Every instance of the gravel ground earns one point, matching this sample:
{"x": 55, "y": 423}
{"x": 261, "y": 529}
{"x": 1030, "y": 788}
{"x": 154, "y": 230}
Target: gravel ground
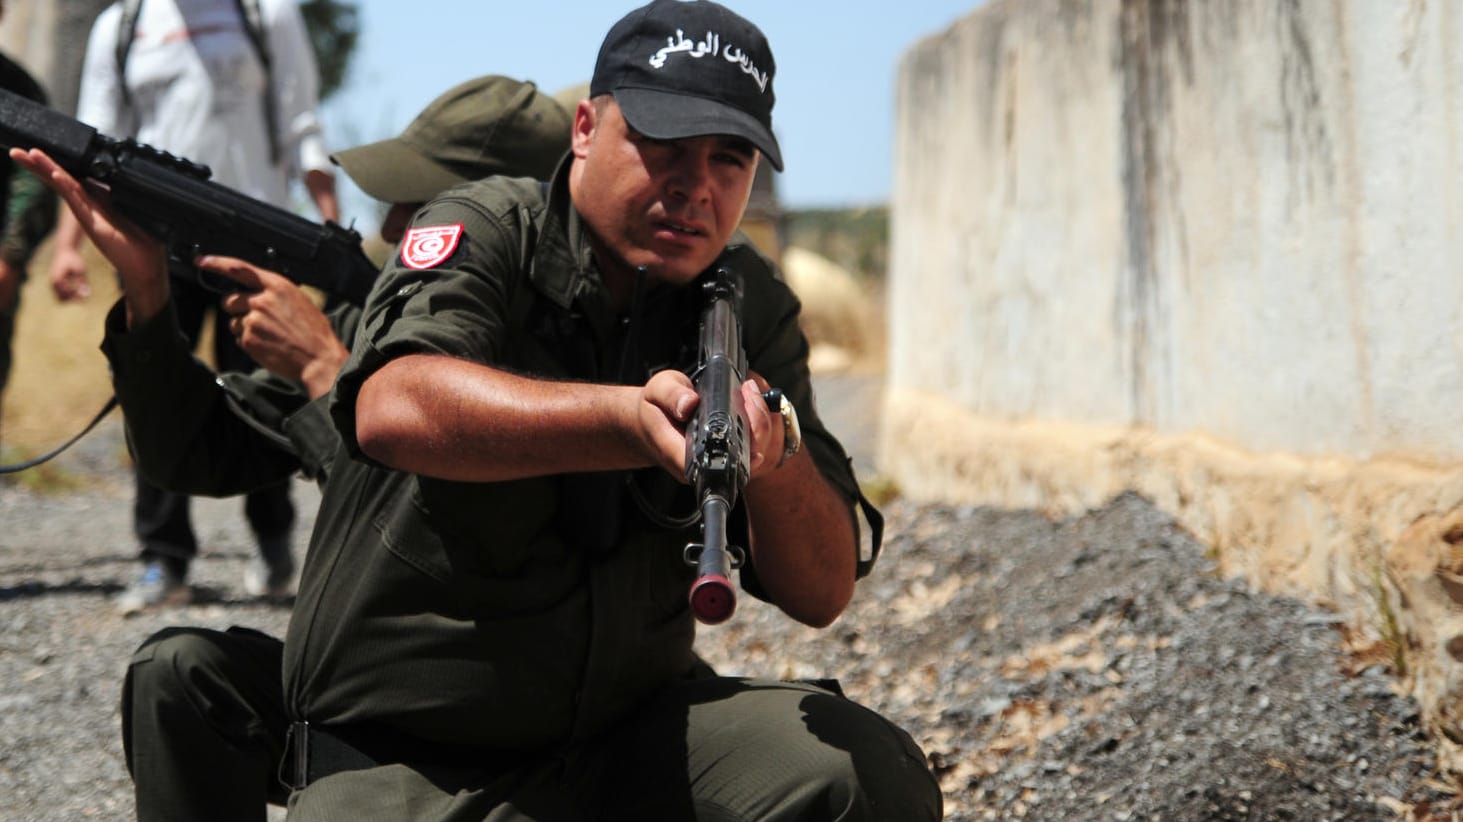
{"x": 1090, "y": 668}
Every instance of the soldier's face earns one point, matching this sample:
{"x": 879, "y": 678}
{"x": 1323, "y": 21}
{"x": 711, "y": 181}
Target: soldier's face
{"x": 398, "y": 217}
{"x": 669, "y": 205}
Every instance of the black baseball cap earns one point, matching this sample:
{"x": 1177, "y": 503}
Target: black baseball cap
{"x": 484, "y": 126}
{"x": 687, "y": 69}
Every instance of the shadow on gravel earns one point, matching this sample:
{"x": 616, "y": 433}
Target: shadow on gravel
{"x": 31, "y": 590}
{"x": 202, "y": 594}
{"x": 63, "y": 567}
{"x": 206, "y": 595}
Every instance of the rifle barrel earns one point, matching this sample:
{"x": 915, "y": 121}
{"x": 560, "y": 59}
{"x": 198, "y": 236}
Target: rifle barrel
{"x": 713, "y": 599}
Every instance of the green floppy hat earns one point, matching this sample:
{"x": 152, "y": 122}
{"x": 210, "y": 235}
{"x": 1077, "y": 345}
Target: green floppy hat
{"x": 485, "y": 126}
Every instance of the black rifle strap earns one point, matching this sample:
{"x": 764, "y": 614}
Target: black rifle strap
{"x": 253, "y": 25}
{"x": 126, "y": 33}
{"x": 21, "y": 466}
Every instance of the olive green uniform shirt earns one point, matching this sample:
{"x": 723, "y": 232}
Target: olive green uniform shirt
{"x": 516, "y": 616}
{"x": 195, "y": 431}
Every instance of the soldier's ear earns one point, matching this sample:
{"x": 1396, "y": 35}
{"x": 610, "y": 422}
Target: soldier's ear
{"x": 586, "y": 120}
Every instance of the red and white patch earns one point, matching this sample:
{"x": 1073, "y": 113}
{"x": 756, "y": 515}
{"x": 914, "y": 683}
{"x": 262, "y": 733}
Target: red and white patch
{"x": 428, "y": 246}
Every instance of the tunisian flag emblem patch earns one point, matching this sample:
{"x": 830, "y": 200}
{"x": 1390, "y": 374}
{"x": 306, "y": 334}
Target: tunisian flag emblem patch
{"x": 428, "y": 246}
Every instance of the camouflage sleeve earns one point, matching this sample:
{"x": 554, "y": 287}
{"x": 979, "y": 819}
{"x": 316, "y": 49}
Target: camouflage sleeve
{"x": 30, "y": 214}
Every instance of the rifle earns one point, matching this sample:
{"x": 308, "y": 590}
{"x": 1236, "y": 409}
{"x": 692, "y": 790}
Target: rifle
{"x": 717, "y": 459}
{"x": 173, "y": 199}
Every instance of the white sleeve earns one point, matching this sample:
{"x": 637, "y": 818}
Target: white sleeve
{"x": 296, "y": 88}
{"x": 99, "y": 101}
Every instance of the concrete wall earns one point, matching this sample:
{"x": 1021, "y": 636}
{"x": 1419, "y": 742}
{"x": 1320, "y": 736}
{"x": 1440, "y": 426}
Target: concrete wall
{"x": 48, "y": 38}
{"x": 1209, "y": 252}
{"x": 27, "y": 36}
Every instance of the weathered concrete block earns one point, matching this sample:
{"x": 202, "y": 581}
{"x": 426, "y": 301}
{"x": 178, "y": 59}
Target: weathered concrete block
{"x": 1207, "y": 252}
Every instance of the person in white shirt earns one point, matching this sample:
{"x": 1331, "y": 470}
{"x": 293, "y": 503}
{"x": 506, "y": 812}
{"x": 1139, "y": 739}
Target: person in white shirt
{"x": 233, "y": 85}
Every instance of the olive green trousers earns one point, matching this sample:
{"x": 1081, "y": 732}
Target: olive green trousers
{"x": 204, "y": 732}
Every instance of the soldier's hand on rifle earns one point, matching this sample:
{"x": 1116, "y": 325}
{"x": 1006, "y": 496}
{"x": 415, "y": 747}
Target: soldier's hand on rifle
{"x": 278, "y": 325}
{"x": 666, "y": 403}
{"x": 140, "y": 260}
{"x": 764, "y": 428}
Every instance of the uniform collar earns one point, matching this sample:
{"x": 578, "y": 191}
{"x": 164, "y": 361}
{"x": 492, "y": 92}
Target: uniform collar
{"x": 563, "y": 264}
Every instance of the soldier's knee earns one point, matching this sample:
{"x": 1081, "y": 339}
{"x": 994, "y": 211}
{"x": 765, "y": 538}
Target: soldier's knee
{"x": 172, "y": 661}
{"x": 871, "y": 769}
{"x": 158, "y": 683}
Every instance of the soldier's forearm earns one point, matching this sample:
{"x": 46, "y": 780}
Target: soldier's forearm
{"x": 803, "y": 540}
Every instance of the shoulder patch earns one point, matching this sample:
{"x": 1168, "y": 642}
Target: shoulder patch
{"x": 428, "y": 246}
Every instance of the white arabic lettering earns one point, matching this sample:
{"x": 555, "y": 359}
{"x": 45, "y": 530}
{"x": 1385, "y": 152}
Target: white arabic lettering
{"x": 672, "y": 45}
{"x": 745, "y": 61}
{"x": 712, "y": 46}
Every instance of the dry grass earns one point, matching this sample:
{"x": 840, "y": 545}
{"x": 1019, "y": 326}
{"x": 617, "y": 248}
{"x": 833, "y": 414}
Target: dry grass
{"x": 59, "y": 379}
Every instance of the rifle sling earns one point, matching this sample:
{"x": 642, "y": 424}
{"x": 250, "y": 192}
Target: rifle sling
{"x": 21, "y": 466}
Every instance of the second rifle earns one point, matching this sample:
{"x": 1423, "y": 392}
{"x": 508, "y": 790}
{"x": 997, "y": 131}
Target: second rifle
{"x": 174, "y": 200}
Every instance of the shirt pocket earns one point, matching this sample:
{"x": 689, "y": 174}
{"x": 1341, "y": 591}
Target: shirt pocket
{"x": 489, "y": 549}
